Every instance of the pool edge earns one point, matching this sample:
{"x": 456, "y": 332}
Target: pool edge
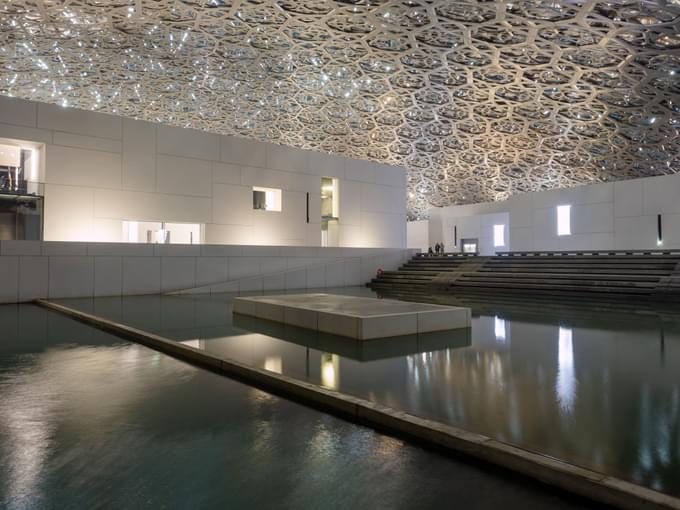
{"x": 581, "y": 481}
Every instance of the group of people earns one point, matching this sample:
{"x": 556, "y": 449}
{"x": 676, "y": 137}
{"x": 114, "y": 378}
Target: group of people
{"x": 438, "y": 249}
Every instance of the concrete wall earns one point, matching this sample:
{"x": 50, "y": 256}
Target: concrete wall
{"x": 34, "y": 269}
{"x": 620, "y": 215}
{"x": 101, "y": 169}
{"x": 417, "y": 235}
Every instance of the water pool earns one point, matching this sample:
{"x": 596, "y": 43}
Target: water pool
{"x": 600, "y": 390}
{"x": 88, "y": 420}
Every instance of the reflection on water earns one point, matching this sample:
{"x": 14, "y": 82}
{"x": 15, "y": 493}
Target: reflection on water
{"x": 89, "y": 421}
{"x": 597, "y": 389}
{"x": 566, "y": 380}
{"x": 330, "y": 370}
{"x": 499, "y": 330}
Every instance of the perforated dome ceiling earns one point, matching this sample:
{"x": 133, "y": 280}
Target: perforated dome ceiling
{"x": 478, "y": 100}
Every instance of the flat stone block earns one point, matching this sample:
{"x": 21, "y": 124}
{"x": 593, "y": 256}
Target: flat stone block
{"x": 361, "y": 318}
{"x": 437, "y": 321}
{"x": 308, "y": 319}
{"x": 389, "y": 325}
{"x": 269, "y": 311}
{"x": 339, "y": 324}
{"x": 244, "y": 307}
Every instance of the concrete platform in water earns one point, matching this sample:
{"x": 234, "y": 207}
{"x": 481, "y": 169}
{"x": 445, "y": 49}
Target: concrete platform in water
{"x": 355, "y": 317}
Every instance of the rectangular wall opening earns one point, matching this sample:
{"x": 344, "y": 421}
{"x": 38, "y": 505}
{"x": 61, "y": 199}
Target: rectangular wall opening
{"x": 498, "y": 236}
{"x": 330, "y": 212}
{"x": 563, "y": 220}
{"x": 161, "y": 232}
{"x": 469, "y": 245}
{"x": 21, "y": 203}
{"x": 266, "y": 199}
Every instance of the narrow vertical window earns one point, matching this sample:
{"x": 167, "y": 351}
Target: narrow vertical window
{"x": 659, "y": 231}
{"x": 563, "y": 220}
{"x": 498, "y": 235}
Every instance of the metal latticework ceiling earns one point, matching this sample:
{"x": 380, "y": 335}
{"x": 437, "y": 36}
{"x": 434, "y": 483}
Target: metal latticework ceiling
{"x": 479, "y": 100}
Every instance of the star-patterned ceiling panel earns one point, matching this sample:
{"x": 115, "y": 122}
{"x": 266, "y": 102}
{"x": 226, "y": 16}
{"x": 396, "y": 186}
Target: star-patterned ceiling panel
{"x": 478, "y": 100}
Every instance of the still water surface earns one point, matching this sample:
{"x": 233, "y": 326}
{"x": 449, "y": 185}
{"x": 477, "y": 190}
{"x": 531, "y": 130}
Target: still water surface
{"x": 600, "y": 390}
{"x": 89, "y": 421}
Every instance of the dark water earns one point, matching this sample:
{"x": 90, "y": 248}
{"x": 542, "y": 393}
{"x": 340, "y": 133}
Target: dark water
{"x": 89, "y": 421}
{"x": 600, "y": 389}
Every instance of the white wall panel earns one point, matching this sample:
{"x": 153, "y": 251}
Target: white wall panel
{"x": 296, "y": 279}
{"x": 18, "y": 112}
{"x": 389, "y": 175}
{"x": 602, "y": 241}
{"x": 335, "y": 274}
{"x": 139, "y": 155}
{"x": 636, "y": 232}
{"x": 141, "y": 275}
{"x": 80, "y": 167}
{"x": 281, "y": 157}
{"x": 232, "y": 205}
{"x": 417, "y": 235}
{"x": 183, "y": 176}
{"x": 68, "y": 213}
{"x": 188, "y": 143}
{"x": 671, "y": 229}
{"x": 359, "y": 170}
{"x": 316, "y": 276}
{"x": 70, "y": 277}
{"x": 520, "y": 238}
{"x": 211, "y": 269}
{"x": 9, "y": 276}
{"x": 106, "y": 230}
{"x": 20, "y": 248}
{"x": 33, "y": 276}
{"x": 595, "y": 193}
{"x": 177, "y": 273}
{"x": 227, "y": 234}
{"x": 243, "y": 267}
{"x": 87, "y": 142}
{"x": 225, "y": 173}
{"x": 265, "y": 177}
{"x": 326, "y": 165}
{"x": 152, "y": 206}
{"x": 628, "y": 196}
{"x": 242, "y": 151}
{"x": 25, "y": 133}
{"x": 592, "y": 218}
{"x": 80, "y": 122}
{"x": 661, "y": 195}
{"x": 350, "y": 203}
{"x": 108, "y": 276}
